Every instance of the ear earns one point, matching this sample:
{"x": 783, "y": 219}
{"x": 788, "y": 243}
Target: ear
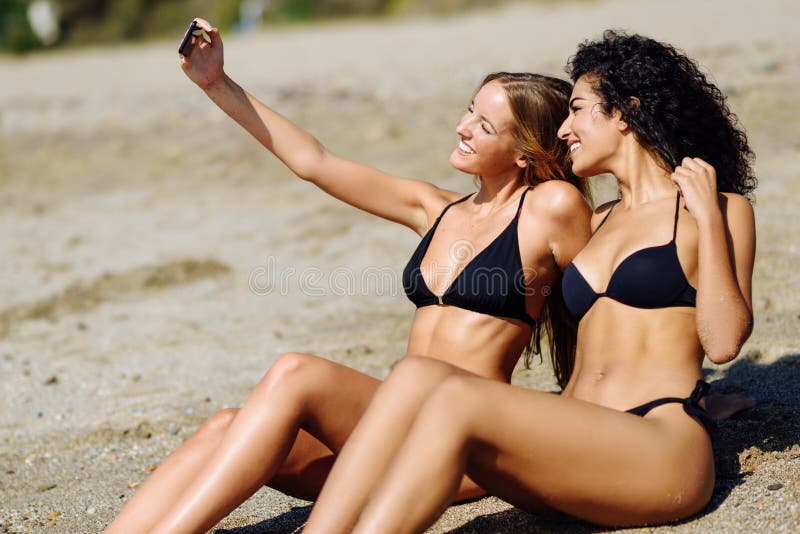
{"x": 521, "y": 161}
{"x": 616, "y": 116}
{"x": 633, "y": 104}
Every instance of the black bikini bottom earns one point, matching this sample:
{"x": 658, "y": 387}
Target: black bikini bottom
{"x": 691, "y": 405}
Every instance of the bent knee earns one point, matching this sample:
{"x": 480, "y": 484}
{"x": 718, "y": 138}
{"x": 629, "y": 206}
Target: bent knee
{"x": 456, "y": 388}
{"x": 453, "y": 400}
{"x": 413, "y": 366}
{"x": 218, "y": 424}
{"x": 291, "y": 362}
{"x": 289, "y": 367}
{"x": 293, "y": 377}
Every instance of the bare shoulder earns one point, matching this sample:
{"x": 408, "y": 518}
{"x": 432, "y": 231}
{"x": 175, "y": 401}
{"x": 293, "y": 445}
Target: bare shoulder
{"x": 738, "y": 214}
{"x": 557, "y": 217}
{"x": 556, "y": 198}
{"x": 735, "y": 205}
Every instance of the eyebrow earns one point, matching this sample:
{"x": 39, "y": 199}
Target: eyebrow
{"x": 576, "y": 98}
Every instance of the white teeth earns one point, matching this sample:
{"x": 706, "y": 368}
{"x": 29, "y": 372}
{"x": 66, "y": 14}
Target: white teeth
{"x": 574, "y": 146}
{"x": 464, "y": 148}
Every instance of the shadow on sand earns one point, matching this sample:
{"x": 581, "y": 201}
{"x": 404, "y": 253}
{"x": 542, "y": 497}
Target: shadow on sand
{"x": 773, "y": 425}
{"x": 285, "y": 523}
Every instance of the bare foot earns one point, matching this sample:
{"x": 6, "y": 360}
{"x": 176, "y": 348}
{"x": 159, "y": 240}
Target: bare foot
{"x": 721, "y": 406}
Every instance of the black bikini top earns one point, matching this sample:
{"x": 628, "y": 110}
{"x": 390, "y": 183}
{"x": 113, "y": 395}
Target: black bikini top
{"x": 492, "y": 282}
{"x": 649, "y": 278}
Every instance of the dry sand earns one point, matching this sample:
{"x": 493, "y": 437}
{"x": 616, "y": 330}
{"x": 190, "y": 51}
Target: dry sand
{"x": 156, "y": 260}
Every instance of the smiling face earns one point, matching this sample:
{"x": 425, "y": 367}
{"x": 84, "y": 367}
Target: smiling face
{"x": 592, "y": 135}
{"x": 487, "y": 147}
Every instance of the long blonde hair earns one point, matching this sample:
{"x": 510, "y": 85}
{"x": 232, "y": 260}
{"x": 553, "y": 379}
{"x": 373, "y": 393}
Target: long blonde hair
{"x": 539, "y": 105}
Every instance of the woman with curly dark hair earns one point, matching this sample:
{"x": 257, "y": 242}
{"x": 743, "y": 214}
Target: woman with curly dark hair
{"x": 665, "y": 279}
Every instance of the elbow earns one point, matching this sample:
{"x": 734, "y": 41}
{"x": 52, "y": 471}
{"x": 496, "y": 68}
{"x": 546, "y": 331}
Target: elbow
{"x": 305, "y": 169}
{"x": 721, "y": 355}
{"x": 725, "y": 350}
{"x": 307, "y": 165}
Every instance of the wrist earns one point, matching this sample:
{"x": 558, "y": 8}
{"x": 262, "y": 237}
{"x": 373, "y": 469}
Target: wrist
{"x": 709, "y": 221}
{"x": 214, "y": 86}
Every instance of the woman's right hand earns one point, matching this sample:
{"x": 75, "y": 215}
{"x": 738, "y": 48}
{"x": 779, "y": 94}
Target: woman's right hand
{"x": 204, "y": 66}
{"x": 401, "y": 200}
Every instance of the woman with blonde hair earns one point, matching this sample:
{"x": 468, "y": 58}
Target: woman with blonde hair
{"x": 480, "y": 279}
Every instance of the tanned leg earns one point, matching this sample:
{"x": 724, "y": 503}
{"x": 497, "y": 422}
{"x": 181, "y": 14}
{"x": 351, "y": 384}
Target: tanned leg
{"x": 532, "y": 448}
{"x": 301, "y": 475}
{"x": 374, "y": 443}
{"x": 300, "y": 392}
{"x": 165, "y": 485}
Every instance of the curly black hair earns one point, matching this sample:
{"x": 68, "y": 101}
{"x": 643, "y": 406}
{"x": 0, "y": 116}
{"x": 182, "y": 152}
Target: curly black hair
{"x": 668, "y": 103}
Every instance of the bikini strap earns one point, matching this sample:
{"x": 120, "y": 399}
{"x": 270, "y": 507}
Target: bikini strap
{"x": 521, "y": 200}
{"x": 677, "y": 211}
{"x": 452, "y": 204}
{"x": 691, "y": 405}
{"x": 606, "y": 217}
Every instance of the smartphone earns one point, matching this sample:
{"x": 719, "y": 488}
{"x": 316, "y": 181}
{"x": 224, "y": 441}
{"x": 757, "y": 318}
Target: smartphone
{"x": 182, "y": 47}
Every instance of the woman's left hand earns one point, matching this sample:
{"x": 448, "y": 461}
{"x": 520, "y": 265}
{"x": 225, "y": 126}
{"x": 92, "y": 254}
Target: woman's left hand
{"x": 697, "y": 182}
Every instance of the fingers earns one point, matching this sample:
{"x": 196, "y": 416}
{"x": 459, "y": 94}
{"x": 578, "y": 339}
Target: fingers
{"x": 695, "y": 166}
{"x": 676, "y": 179}
{"x": 697, "y": 182}
{"x": 680, "y": 174}
{"x": 690, "y": 163}
{"x": 707, "y": 166}
{"x": 202, "y": 38}
{"x": 687, "y": 170}
{"x": 204, "y": 35}
{"x": 203, "y": 24}
{"x": 212, "y": 32}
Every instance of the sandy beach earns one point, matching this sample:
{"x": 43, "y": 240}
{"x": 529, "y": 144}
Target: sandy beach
{"x": 157, "y": 260}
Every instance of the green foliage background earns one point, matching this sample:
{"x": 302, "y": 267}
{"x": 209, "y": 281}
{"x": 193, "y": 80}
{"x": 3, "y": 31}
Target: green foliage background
{"x": 105, "y": 21}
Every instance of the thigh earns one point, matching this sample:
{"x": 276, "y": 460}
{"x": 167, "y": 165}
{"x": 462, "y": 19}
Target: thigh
{"x": 331, "y": 399}
{"x": 532, "y": 448}
{"x": 324, "y": 398}
{"x": 310, "y": 460}
{"x": 305, "y": 469}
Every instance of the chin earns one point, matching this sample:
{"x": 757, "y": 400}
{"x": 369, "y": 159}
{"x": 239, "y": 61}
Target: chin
{"x": 453, "y": 158}
{"x": 459, "y": 165}
{"x": 583, "y": 171}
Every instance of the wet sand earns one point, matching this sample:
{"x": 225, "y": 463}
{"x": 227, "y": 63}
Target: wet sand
{"x": 157, "y": 260}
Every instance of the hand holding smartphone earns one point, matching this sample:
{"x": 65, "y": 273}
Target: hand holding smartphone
{"x": 185, "y": 48}
{"x": 182, "y": 50}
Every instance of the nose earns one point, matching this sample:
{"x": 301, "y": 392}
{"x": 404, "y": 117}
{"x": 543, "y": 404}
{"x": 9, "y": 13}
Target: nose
{"x": 463, "y": 126}
{"x": 564, "y": 130}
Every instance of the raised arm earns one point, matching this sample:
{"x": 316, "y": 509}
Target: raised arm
{"x": 726, "y": 252}
{"x": 397, "y": 199}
